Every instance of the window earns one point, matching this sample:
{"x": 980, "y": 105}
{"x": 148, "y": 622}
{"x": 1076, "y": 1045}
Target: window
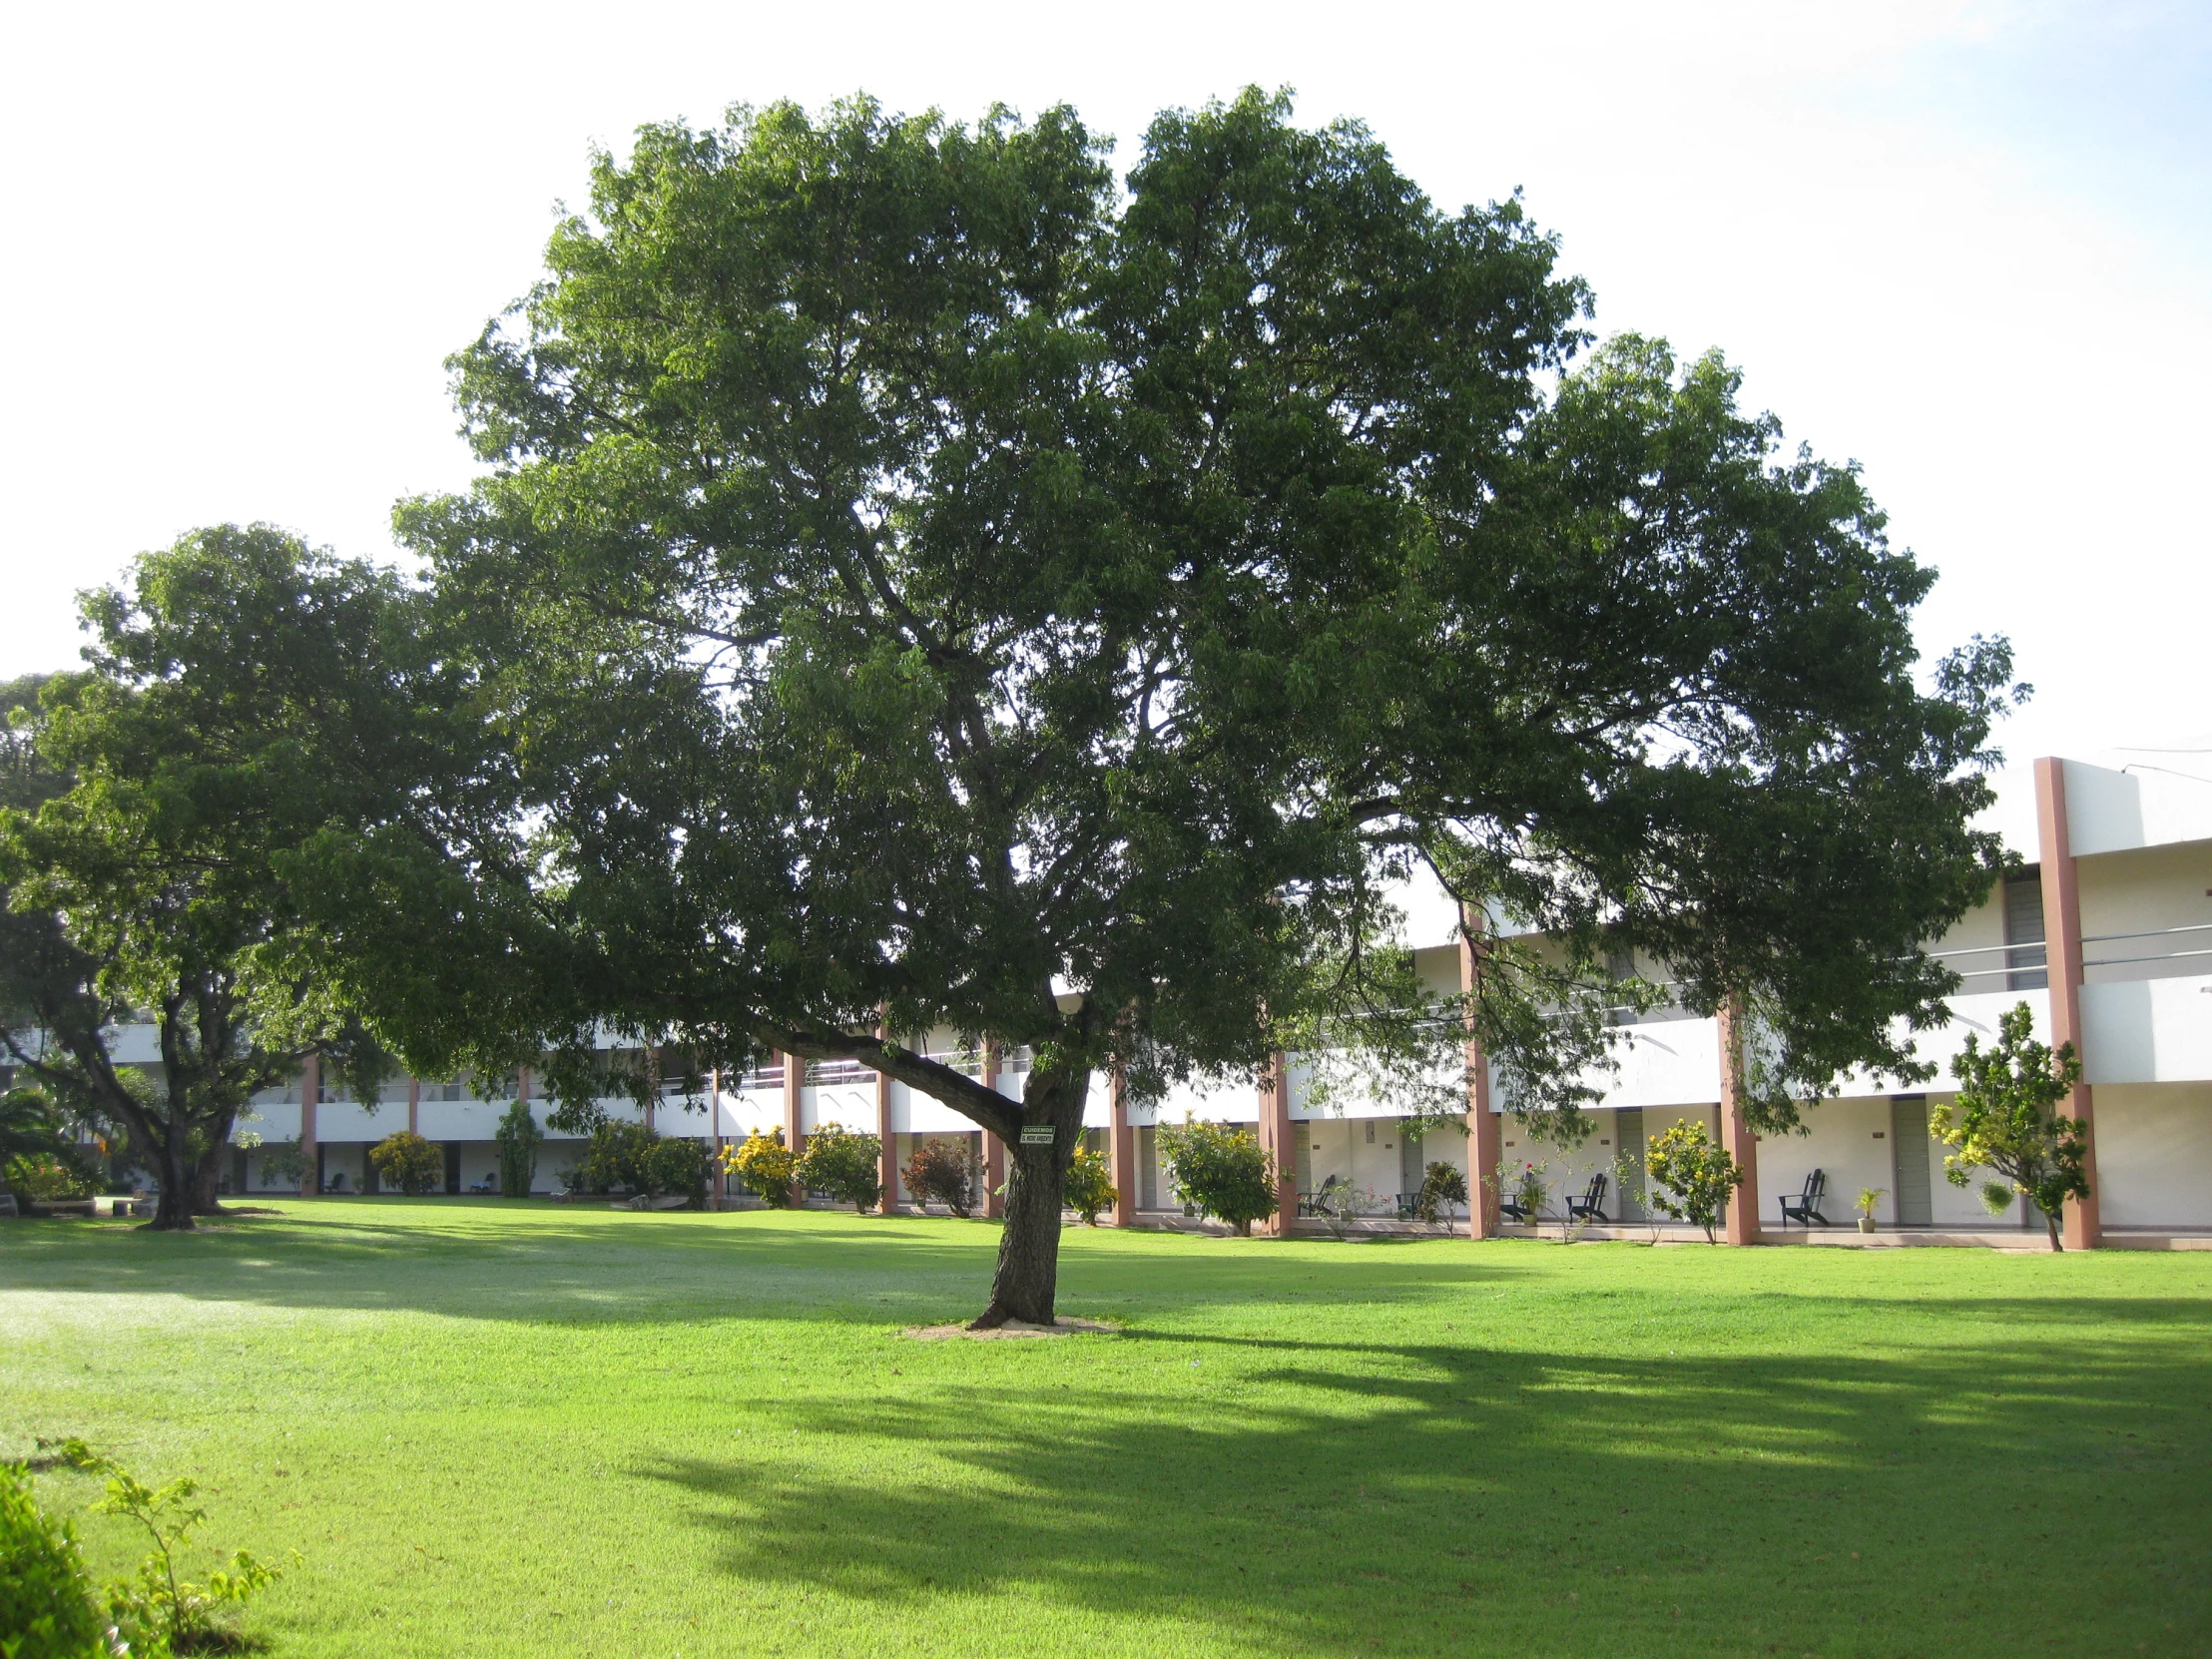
{"x": 2026, "y": 965}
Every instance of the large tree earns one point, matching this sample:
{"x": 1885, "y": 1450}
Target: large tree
{"x": 918, "y": 585}
{"x": 234, "y": 704}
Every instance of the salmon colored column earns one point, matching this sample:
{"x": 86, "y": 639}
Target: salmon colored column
{"x": 1121, "y": 1151}
{"x": 1484, "y": 1144}
{"x": 1279, "y": 1140}
{"x": 1742, "y": 1215}
{"x": 414, "y": 1103}
{"x": 2080, "y": 1227}
{"x": 994, "y": 1149}
{"x": 310, "y": 1088}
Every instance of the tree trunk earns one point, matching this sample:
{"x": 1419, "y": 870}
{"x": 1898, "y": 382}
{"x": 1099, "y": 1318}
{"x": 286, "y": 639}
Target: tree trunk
{"x": 208, "y": 1175}
{"x": 2057, "y": 1242}
{"x": 172, "y": 1211}
{"x": 1023, "y": 1286}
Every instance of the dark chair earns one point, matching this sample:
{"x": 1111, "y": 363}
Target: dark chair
{"x": 1591, "y": 1205}
{"x": 1510, "y": 1205}
{"x": 1805, "y": 1208}
{"x": 338, "y": 1183}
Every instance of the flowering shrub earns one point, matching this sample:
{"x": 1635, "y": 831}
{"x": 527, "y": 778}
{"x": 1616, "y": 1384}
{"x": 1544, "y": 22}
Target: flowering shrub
{"x": 1694, "y": 1175}
{"x": 47, "y": 1175}
{"x": 766, "y": 1166}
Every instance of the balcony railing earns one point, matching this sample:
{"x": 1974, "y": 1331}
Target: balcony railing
{"x": 2025, "y": 967}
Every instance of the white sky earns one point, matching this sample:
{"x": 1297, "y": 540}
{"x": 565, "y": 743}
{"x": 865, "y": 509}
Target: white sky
{"x": 1965, "y": 244}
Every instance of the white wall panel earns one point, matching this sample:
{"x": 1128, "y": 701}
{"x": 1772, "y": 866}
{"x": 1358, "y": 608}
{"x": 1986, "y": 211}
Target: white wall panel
{"x": 2147, "y": 1031}
{"x": 2111, "y": 812}
{"x": 273, "y": 1121}
{"x": 2154, "y": 1155}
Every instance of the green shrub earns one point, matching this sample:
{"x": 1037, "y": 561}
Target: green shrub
{"x": 946, "y": 1171}
{"x": 1441, "y": 1187}
{"x": 1694, "y": 1175}
{"x": 766, "y": 1166}
{"x": 518, "y": 1137}
{"x": 47, "y": 1605}
{"x": 676, "y": 1166}
{"x": 614, "y": 1158}
{"x": 406, "y": 1161}
{"x": 1220, "y": 1172}
{"x": 1089, "y": 1188}
{"x": 844, "y": 1163}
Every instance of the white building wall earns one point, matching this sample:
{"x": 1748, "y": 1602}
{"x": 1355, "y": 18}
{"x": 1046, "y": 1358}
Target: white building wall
{"x": 2112, "y": 812}
{"x": 2131, "y": 904}
{"x": 2148, "y": 1030}
{"x": 1847, "y": 1141}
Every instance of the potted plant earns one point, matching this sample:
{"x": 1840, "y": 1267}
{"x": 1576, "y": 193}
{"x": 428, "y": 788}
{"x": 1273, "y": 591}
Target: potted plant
{"x": 1869, "y": 1197}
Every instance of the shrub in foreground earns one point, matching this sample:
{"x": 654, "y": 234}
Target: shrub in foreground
{"x": 47, "y": 1606}
{"x": 406, "y": 1161}
{"x": 1220, "y": 1172}
{"x": 844, "y": 1163}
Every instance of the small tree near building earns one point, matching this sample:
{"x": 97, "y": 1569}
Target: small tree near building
{"x": 518, "y": 1137}
{"x": 844, "y": 1163}
{"x": 406, "y": 1161}
{"x": 1441, "y": 1186}
{"x": 2005, "y": 1118}
{"x": 946, "y": 1171}
{"x": 1692, "y": 1175}
{"x": 1220, "y": 1172}
{"x": 1089, "y": 1188}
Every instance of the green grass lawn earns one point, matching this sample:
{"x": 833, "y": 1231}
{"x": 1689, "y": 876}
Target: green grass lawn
{"x": 529, "y": 1429}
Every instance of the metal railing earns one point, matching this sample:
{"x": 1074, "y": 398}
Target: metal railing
{"x": 2020, "y": 954}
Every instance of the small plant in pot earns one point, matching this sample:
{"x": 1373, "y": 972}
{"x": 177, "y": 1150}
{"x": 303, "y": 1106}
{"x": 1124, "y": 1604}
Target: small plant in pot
{"x": 1869, "y": 1197}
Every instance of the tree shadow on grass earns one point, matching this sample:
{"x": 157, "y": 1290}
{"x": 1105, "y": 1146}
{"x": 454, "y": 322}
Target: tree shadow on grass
{"x": 1426, "y": 1498}
{"x": 624, "y": 1268}
{"x": 523, "y": 1264}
